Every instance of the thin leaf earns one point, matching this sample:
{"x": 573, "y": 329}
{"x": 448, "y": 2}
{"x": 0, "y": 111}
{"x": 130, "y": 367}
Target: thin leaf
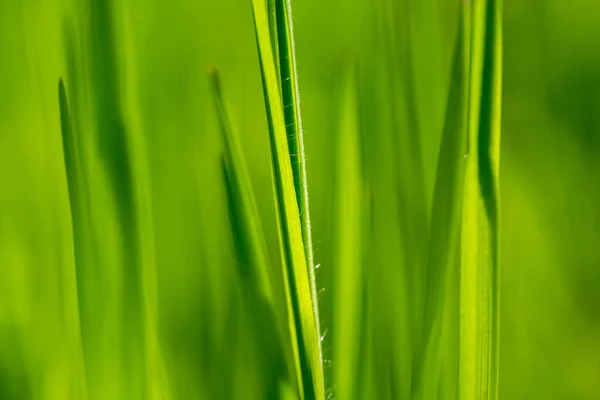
{"x": 349, "y": 249}
{"x": 444, "y": 231}
{"x": 479, "y": 290}
{"x": 80, "y": 221}
{"x": 413, "y": 118}
{"x": 286, "y": 57}
{"x": 392, "y": 167}
{"x": 302, "y": 315}
{"x": 251, "y": 253}
{"x": 271, "y": 4}
{"x": 115, "y": 145}
{"x": 247, "y": 230}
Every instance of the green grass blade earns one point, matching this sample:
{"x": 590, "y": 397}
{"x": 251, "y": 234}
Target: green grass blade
{"x": 70, "y": 153}
{"x": 114, "y": 146}
{"x": 272, "y": 7}
{"x": 479, "y": 288}
{"x": 247, "y": 230}
{"x": 287, "y": 393}
{"x": 389, "y": 262}
{"x": 293, "y": 124}
{"x": 349, "y": 249}
{"x": 302, "y": 314}
{"x": 250, "y": 249}
{"x": 80, "y": 221}
{"x": 409, "y": 69}
{"x": 444, "y": 232}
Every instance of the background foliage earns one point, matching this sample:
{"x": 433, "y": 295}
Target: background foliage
{"x": 200, "y": 333}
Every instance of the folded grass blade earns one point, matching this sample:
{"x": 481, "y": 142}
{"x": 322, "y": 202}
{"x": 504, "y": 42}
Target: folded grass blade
{"x": 302, "y": 313}
{"x": 286, "y": 61}
{"x": 479, "y": 280}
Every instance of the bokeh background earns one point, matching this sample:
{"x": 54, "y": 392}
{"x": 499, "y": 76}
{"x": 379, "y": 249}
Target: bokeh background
{"x": 549, "y": 177}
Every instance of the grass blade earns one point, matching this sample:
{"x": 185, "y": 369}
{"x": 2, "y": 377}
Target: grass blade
{"x": 115, "y": 146}
{"x": 80, "y": 221}
{"x": 479, "y": 281}
{"x": 272, "y": 8}
{"x": 247, "y": 229}
{"x": 302, "y": 314}
{"x": 286, "y": 60}
{"x": 349, "y": 249}
{"x": 389, "y": 272}
{"x": 250, "y": 249}
{"x": 444, "y": 231}
{"x": 409, "y": 68}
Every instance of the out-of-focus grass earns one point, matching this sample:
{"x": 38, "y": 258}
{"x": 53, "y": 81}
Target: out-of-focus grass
{"x": 171, "y": 314}
{"x": 350, "y": 236}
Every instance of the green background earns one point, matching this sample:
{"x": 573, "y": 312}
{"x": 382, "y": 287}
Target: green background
{"x": 549, "y": 180}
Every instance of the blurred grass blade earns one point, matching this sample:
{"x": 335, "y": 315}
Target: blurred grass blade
{"x": 71, "y": 159}
{"x": 247, "y": 230}
{"x": 479, "y": 281}
{"x": 115, "y": 147}
{"x": 80, "y": 221}
{"x": 444, "y": 231}
{"x": 302, "y": 314}
{"x": 250, "y": 249}
{"x": 286, "y": 392}
{"x": 349, "y": 230}
{"x": 410, "y": 70}
{"x": 286, "y": 60}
